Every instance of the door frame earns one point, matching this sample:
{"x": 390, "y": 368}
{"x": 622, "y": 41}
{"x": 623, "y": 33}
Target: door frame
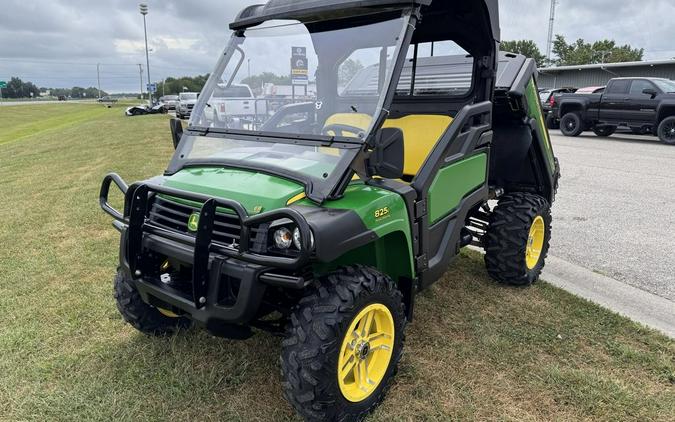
{"x": 470, "y": 134}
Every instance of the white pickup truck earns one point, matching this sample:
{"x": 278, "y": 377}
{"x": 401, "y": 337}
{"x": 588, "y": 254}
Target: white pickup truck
{"x": 235, "y": 101}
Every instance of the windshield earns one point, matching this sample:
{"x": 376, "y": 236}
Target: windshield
{"x": 665, "y": 85}
{"x": 544, "y": 95}
{"x": 286, "y": 77}
{"x": 188, "y": 96}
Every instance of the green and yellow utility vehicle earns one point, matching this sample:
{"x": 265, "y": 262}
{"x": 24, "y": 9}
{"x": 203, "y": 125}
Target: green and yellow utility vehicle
{"x": 406, "y": 137}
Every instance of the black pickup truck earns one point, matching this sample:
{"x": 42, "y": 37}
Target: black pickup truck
{"x": 646, "y": 104}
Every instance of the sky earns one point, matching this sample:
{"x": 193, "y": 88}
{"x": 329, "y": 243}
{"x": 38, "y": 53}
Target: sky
{"x": 58, "y": 43}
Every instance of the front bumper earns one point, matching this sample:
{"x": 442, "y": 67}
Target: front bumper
{"x": 220, "y": 303}
{"x": 227, "y": 282}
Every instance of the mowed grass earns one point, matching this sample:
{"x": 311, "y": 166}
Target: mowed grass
{"x": 476, "y": 351}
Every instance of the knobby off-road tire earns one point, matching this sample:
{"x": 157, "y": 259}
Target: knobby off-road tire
{"x": 143, "y": 317}
{"x": 510, "y": 240}
{"x": 571, "y": 124}
{"x": 318, "y": 334}
{"x": 666, "y": 131}
{"x": 604, "y": 131}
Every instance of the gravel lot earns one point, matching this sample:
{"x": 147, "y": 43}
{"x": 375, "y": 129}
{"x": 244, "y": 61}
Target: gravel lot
{"x": 614, "y": 212}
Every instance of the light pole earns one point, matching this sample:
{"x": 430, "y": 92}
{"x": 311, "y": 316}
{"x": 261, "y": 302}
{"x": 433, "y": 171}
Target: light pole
{"x": 144, "y": 11}
{"x": 98, "y": 78}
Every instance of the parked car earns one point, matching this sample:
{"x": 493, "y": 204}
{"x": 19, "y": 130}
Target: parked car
{"x": 646, "y": 104}
{"x": 186, "y": 102}
{"x": 548, "y": 102}
{"x": 140, "y": 110}
{"x": 107, "y": 99}
{"x": 234, "y": 102}
{"x": 169, "y": 101}
{"x": 62, "y": 98}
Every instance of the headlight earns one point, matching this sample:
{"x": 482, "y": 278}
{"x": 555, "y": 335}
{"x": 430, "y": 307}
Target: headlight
{"x": 297, "y": 241}
{"x": 283, "y": 239}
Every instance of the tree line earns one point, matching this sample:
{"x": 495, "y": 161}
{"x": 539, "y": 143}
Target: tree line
{"x": 16, "y": 88}
{"x": 576, "y": 53}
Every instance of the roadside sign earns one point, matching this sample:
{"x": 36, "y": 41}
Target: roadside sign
{"x": 152, "y": 88}
{"x": 299, "y": 66}
{"x": 3, "y": 84}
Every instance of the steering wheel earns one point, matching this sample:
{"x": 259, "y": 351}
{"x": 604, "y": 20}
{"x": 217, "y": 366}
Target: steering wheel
{"x": 339, "y": 130}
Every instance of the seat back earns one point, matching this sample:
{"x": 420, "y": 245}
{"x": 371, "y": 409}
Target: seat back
{"x": 421, "y": 132}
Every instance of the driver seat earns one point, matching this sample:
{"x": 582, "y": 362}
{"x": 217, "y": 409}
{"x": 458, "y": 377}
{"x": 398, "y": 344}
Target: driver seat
{"x": 421, "y": 132}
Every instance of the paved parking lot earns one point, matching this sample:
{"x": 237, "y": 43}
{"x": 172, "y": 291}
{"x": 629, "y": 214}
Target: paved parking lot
{"x": 614, "y": 213}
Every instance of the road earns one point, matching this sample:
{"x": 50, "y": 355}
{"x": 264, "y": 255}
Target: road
{"x": 614, "y": 212}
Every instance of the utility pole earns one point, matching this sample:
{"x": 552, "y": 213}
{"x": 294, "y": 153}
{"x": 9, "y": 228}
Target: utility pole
{"x": 144, "y": 11}
{"x": 140, "y": 70}
{"x": 98, "y": 78}
{"x": 551, "y": 25}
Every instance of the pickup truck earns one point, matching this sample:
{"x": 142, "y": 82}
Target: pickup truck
{"x": 235, "y": 102}
{"x": 639, "y": 103}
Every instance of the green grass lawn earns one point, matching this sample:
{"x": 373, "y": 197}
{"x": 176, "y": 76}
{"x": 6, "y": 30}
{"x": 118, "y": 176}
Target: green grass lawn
{"x": 475, "y": 351}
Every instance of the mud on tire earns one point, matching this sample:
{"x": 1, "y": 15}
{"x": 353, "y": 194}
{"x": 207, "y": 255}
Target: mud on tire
{"x": 309, "y": 357}
{"x": 507, "y": 238}
{"x": 141, "y": 316}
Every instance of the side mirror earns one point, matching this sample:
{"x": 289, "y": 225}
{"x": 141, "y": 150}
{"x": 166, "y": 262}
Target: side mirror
{"x": 388, "y": 157}
{"x": 651, "y": 92}
{"x": 176, "y": 131}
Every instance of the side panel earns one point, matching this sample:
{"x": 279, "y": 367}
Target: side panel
{"x": 453, "y": 183}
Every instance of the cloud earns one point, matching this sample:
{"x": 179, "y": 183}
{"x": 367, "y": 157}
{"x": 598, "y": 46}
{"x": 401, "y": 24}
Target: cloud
{"x": 57, "y": 43}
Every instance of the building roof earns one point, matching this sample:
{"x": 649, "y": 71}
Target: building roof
{"x": 608, "y": 66}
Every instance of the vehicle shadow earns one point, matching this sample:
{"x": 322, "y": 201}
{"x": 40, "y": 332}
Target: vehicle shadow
{"x": 626, "y": 138}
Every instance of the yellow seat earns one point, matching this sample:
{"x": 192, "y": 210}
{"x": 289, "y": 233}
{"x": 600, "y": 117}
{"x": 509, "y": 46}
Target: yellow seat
{"x": 421, "y": 132}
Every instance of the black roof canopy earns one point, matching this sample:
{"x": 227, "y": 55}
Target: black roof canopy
{"x": 465, "y": 19}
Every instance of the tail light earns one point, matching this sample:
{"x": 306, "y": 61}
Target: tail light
{"x": 552, "y": 101}
{"x": 222, "y": 107}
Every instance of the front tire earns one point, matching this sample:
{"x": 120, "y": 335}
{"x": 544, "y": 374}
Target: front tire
{"x": 343, "y": 345}
{"x": 143, "y": 317}
{"x": 518, "y": 238}
{"x": 666, "y": 131}
{"x": 604, "y": 131}
{"x": 571, "y": 124}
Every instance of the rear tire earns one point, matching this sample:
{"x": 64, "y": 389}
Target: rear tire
{"x": 666, "y": 130}
{"x": 326, "y": 332}
{"x": 604, "y": 131}
{"x": 517, "y": 240}
{"x": 571, "y": 124}
{"x": 143, "y": 317}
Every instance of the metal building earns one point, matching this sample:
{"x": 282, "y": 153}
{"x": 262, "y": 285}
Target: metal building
{"x": 600, "y": 74}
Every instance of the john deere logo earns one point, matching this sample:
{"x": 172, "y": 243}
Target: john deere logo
{"x": 193, "y": 222}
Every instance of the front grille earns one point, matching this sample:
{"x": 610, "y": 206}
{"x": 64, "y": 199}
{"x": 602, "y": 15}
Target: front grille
{"x": 226, "y": 231}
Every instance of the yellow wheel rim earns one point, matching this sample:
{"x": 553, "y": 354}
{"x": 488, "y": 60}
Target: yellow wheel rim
{"x": 535, "y": 243}
{"x": 366, "y": 352}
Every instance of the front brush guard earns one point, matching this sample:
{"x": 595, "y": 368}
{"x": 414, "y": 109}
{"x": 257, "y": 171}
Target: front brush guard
{"x": 134, "y": 219}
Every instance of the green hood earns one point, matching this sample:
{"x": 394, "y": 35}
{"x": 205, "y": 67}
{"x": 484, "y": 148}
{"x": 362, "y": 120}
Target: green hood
{"x": 257, "y": 192}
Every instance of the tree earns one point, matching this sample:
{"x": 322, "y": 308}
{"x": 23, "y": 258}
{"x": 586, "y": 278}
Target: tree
{"x": 16, "y": 88}
{"x": 348, "y": 70}
{"x": 527, "y": 48}
{"x": 174, "y": 86}
{"x": 257, "y": 82}
{"x": 604, "y": 51}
